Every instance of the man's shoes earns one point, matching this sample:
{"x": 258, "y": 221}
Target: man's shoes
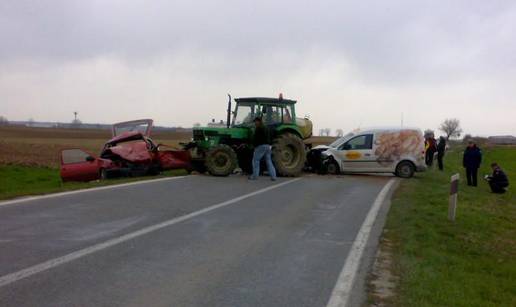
{"x": 251, "y": 178}
{"x": 273, "y": 179}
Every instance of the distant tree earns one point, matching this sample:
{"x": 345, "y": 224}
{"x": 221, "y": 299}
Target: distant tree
{"x": 327, "y": 131}
{"x": 339, "y": 132}
{"x": 321, "y": 132}
{"x": 31, "y": 122}
{"x": 3, "y": 120}
{"x": 196, "y": 125}
{"x": 451, "y": 127}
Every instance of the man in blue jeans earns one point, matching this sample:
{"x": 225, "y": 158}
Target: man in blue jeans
{"x": 262, "y": 147}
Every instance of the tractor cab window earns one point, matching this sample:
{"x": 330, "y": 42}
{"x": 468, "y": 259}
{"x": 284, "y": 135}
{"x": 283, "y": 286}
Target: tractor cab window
{"x": 244, "y": 115}
{"x": 271, "y": 114}
{"x": 288, "y": 115}
{"x": 360, "y": 142}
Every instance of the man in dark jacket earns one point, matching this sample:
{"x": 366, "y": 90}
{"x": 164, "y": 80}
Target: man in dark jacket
{"x": 441, "y": 148}
{"x": 471, "y": 161}
{"x": 262, "y": 148}
{"x": 498, "y": 181}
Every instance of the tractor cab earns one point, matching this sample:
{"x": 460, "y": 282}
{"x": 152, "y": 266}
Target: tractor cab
{"x": 272, "y": 111}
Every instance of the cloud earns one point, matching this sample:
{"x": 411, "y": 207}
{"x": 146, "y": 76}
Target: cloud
{"x": 347, "y": 63}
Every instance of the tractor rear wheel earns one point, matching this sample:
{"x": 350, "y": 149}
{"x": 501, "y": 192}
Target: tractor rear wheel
{"x": 288, "y": 154}
{"x": 221, "y": 160}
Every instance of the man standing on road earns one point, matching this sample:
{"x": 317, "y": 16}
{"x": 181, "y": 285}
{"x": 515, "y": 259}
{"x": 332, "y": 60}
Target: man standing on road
{"x": 262, "y": 147}
{"x": 498, "y": 181}
{"x": 441, "y": 148}
{"x": 471, "y": 161}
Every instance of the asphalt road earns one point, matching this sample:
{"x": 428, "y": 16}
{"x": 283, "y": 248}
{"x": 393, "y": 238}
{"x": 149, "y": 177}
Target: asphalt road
{"x": 283, "y": 246}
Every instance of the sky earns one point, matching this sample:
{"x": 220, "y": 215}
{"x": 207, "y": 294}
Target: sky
{"x": 349, "y": 64}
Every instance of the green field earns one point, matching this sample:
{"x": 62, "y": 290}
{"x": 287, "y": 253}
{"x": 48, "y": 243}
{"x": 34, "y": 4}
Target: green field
{"x": 17, "y": 180}
{"x": 469, "y": 262}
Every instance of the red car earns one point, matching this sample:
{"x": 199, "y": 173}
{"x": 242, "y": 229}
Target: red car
{"x": 131, "y": 152}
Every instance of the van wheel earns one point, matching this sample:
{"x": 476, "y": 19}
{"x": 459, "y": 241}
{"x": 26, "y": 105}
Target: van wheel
{"x": 405, "y": 169}
{"x": 332, "y": 168}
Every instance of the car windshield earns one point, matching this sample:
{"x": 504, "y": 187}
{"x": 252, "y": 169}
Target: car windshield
{"x": 142, "y": 126}
{"x": 341, "y": 140}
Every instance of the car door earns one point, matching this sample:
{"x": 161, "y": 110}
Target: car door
{"x": 356, "y": 155}
{"x": 78, "y": 165}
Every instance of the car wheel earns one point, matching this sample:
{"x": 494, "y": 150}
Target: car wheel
{"x": 405, "y": 169}
{"x": 332, "y": 167}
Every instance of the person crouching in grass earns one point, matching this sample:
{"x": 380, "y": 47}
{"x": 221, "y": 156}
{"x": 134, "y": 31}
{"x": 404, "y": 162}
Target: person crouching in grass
{"x": 498, "y": 181}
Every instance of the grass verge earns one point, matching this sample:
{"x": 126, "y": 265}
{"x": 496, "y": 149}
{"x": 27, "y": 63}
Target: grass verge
{"x": 18, "y": 180}
{"x": 471, "y": 262}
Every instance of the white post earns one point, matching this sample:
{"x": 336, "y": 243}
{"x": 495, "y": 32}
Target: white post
{"x": 454, "y": 189}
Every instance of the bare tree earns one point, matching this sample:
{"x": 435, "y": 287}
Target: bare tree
{"x": 451, "y": 127}
{"x": 3, "y": 120}
{"x": 339, "y": 132}
{"x": 327, "y": 131}
{"x": 321, "y": 132}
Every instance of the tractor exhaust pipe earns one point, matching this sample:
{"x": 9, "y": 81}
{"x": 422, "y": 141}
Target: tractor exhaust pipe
{"x": 228, "y": 122}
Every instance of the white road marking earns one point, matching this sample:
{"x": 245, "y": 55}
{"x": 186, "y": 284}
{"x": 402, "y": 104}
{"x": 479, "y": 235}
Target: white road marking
{"x": 10, "y": 278}
{"x": 342, "y": 290}
{"x": 107, "y": 187}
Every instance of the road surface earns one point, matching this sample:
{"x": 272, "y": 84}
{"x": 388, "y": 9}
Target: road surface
{"x": 190, "y": 241}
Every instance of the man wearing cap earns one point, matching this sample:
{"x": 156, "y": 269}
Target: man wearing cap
{"x": 262, "y": 147}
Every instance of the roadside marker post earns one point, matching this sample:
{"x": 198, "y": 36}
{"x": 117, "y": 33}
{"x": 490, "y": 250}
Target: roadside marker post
{"x": 454, "y": 189}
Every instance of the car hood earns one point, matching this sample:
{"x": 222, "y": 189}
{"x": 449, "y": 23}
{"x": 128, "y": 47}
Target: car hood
{"x": 319, "y": 147}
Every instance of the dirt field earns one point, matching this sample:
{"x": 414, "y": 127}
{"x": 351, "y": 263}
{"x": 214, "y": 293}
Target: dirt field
{"x": 41, "y": 146}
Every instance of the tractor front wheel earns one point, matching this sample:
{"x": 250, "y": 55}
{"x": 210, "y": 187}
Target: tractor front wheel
{"x": 221, "y": 160}
{"x": 288, "y": 153}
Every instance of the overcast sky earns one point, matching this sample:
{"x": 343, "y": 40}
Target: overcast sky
{"x": 348, "y": 63}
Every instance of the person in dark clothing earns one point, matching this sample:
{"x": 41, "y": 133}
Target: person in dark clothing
{"x": 262, "y": 148}
{"x": 471, "y": 161}
{"x": 441, "y": 148}
{"x": 498, "y": 181}
{"x": 430, "y": 150}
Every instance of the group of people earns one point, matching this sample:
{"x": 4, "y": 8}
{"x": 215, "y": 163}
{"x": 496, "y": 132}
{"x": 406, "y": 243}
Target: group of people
{"x": 472, "y": 158}
{"x": 431, "y": 147}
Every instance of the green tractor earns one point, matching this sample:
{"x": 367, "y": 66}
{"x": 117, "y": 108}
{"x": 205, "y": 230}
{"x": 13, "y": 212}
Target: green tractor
{"x": 220, "y": 150}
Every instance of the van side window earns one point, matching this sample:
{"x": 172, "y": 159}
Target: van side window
{"x": 360, "y": 142}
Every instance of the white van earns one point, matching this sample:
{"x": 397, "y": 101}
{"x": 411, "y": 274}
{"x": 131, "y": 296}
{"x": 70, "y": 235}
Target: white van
{"x": 393, "y": 150}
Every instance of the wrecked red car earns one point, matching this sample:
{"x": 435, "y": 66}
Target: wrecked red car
{"x": 131, "y": 152}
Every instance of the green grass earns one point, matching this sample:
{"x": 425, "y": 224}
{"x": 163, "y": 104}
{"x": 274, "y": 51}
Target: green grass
{"x": 23, "y": 180}
{"x": 469, "y": 262}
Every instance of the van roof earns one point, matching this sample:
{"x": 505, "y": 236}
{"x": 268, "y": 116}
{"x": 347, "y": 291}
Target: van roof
{"x": 378, "y": 129}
